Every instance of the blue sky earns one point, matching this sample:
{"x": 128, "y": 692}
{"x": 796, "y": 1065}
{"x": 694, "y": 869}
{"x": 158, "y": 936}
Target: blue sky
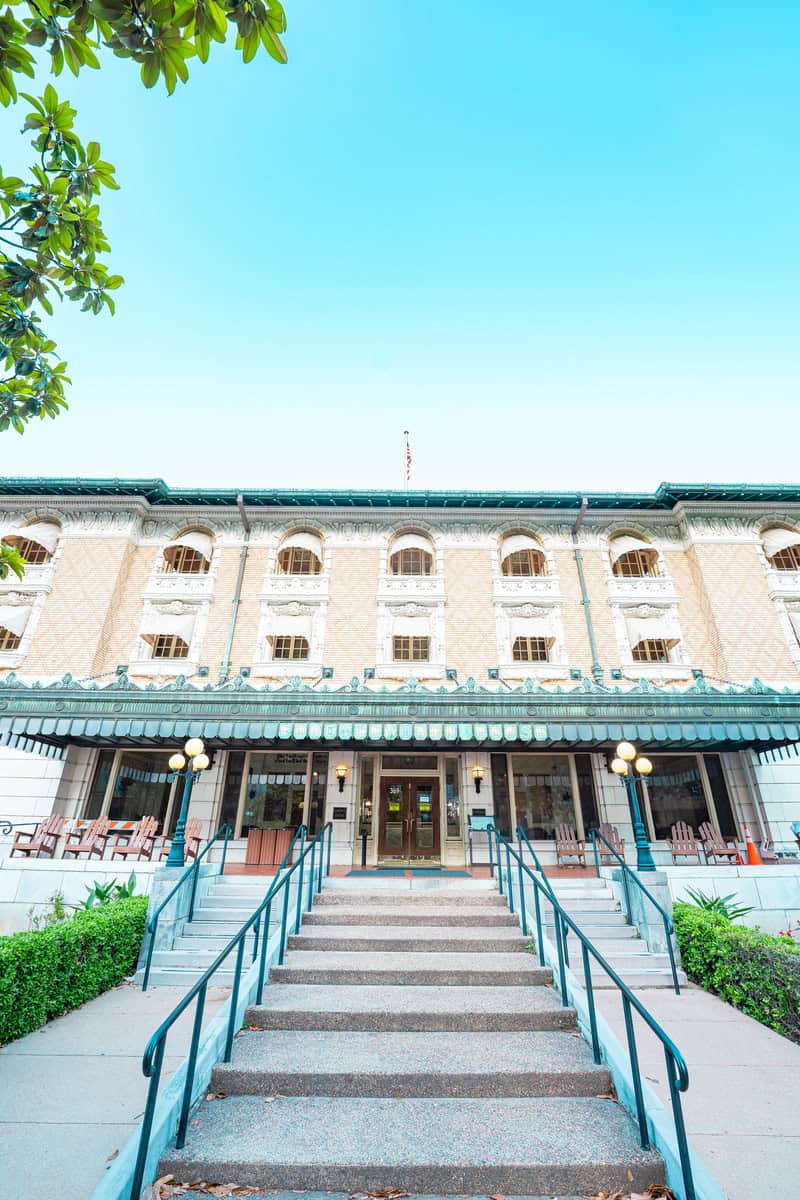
{"x": 558, "y": 242}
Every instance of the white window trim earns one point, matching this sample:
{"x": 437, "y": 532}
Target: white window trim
{"x": 280, "y": 668}
{"x": 385, "y": 665}
{"x": 556, "y": 667}
{"x": 141, "y": 656}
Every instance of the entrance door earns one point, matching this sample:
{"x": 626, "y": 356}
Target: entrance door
{"x": 409, "y": 819}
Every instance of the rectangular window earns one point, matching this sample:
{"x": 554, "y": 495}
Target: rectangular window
{"x": 586, "y": 791}
{"x": 142, "y": 787}
{"x": 366, "y": 790}
{"x": 531, "y": 649}
{"x": 315, "y": 812}
{"x": 719, "y": 791}
{"x": 409, "y": 762}
{"x": 411, "y": 649}
{"x": 542, "y": 793}
{"x": 97, "y": 792}
{"x": 290, "y": 647}
{"x": 275, "y": 792}
{"x": 501, "y": 794}
{"x": 232, "y": 789}
{"x": 651, "y": 650}
{"x": 452, "y": 797}
{"x": 675, "y": 791}
{"x": 168, "y": 645}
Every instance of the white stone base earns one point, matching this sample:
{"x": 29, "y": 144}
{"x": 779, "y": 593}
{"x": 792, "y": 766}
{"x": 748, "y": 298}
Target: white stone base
{"x": 773, "y": 891}
{"x": 26, "y": 885}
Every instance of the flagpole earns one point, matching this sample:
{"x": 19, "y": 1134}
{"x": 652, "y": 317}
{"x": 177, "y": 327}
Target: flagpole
{"x": 406, "y": 470}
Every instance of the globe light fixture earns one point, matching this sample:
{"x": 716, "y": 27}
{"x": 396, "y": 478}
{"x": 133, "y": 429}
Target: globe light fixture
{"x": 632, "y": 766}
{"x": 189, "y": 765}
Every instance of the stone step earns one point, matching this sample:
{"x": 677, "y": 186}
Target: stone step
{"x": 410, "y": 1009}
{"x": 229, "y": 899}
{"x": 302, "y": 1063}
{"x": 582, "y": 917}
{"x": 449, "y": 969}
{"x": 224, "y": 930}
{"x": 542, "y": 1146}
{"x": 308, "y": 1195}
{"x": 225, "y": 914}
{"x": 413, "y": 938}
{"x": 353, "y": 896}
{"x": 409, "y": 915}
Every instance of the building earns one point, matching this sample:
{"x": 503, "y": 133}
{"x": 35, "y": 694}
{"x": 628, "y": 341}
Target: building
{"x": 394, "y": 662}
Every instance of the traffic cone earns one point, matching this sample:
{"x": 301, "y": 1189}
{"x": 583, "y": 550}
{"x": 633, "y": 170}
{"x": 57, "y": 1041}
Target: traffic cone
{"x": 753, "y": 857}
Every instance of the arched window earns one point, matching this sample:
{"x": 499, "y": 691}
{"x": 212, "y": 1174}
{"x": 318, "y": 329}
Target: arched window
{"x": 633, "y": 558}
{"x": 521, "y": 555}
{"x": 300, "y": 554}
{"x": 782, "y": 548}
{"x": 189, "y": 554}
{"x": 36, "y": 542}
{"x": 411, "y": 554}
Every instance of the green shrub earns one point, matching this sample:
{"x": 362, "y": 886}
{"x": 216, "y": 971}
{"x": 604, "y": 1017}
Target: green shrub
{"x": 753, "y": 971}
{"x": 46, "y": 972}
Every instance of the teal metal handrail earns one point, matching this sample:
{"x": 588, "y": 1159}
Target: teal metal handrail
{"x": 628, "y": 874}
{"x": 677, "y": 1071}
{"x": 193, "y": 870}
{"x": 153, "y": 1058}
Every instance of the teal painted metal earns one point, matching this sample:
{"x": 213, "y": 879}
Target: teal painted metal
{"x": 159, "y": 495}
{"x": 629, "y": 876}
{"x": 677, "y": 1071}
{"x": 153, "y": 1059}
{"x": 192, "y": 871}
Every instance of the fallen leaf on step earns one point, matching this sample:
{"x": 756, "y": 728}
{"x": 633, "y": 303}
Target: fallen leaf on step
{"x": 659, "y": 1191}
{"x": 278, "y": 1096}
{"x": 216, "y": 1095}
{"x": 112, "y": 1155}
{"x": 388, "y": 1193}
{"x": 497, "y": 1196}
{"x": 608, "y": 1196}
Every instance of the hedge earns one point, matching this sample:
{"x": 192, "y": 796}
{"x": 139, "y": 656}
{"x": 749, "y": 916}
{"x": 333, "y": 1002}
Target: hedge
{"x": 753, "y": 971}
{"x": 47, "y": 972}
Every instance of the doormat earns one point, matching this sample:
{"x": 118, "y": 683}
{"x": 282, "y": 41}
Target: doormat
{"x": 440, "y": 871}
{"x": 384, "y": 871}
{"x": 404, "y": 872}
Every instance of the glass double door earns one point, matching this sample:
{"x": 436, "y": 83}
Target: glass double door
{"x": 409, "y": 826}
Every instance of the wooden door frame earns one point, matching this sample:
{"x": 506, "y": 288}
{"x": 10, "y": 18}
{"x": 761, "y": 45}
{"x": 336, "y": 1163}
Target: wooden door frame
{"x": 436, "y": 824}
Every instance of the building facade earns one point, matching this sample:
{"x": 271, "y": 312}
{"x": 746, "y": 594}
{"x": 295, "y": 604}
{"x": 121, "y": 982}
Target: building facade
{"x": 395, "y": 662}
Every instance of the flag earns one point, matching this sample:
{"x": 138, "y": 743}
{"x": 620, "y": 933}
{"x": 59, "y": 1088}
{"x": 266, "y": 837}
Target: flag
{"x": 408, "y": 459}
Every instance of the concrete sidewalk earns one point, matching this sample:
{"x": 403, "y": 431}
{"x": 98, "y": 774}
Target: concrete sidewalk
{"x": 744, "y": 1087}
{"x": 72, "y": 1092}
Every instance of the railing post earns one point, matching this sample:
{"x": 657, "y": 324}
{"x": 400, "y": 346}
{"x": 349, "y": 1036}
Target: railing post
{"x": 195, "y": 874}
{"x": 539, "y": 938}
{"x": 310, "y": 900}
{"x": 593, "y": 836}
{"x": 321, "y": 867}
{"x": 224, "y": 849}
{"x": 190, "y": 1067}
{"x": 237, "y": 975}
{"x": 565, "y": 935}
{"x": 149, "y": 958}
{"x": 256, "y": 929}
{"x": 299, "y": 907}
{"x": 330, "y": 844}
{"x": 284, "y": 916}
{"x": 680, "y": 1127}
{"x": 509, "y": 880}
{"x": 635, "y": 1073}
{"x": 671, "y": 952}
{"x": 562, "y": 974}
{"x": 626, "y": 887}
{"x": 587, "y": 978}
{"x": 499, "y": 865}
{"x": 262, "y": 967}
{"x": 491, "y": 859}
{"x": 147, "y": 1121}
{"x": 522, "y": 914}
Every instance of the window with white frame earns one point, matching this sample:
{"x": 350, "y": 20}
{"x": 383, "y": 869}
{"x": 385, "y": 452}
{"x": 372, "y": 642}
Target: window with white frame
{"x": 13, "y": 621}
{"x": 653, "y": 637}
{"x": 189, "y": 554}
{"x": 286, "y": 646}
{"x": 411, "y": 554}
{"x": 522, "y": 555}
{"x": 782, "y": 548}
{"x": 167, "y": 635}
{"x": 300, "y": 554}
{"x": 632, "y": 557}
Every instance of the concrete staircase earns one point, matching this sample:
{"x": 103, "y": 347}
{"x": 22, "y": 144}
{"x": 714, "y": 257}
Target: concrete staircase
{"x": 411, "y": 1041}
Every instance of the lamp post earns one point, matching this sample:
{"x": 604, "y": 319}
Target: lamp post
{"x": 632, "y": 767}
{"x": 193, "y": 760}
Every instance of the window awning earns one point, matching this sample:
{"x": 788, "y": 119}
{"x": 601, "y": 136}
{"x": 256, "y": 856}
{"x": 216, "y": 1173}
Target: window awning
{"x": 411, "y": 627}
{"x": 533, "y": 627}
{"x": 663, "y": 627}
{"x": 303, "y": 540}
{"x": 44, "y": 533}
{"x": 775, "y": 540}
{"x": 289, "y": 626}
{"x": 195, "y": 539}
{"x": 518, "y": 541}
{"x": 624, "y": 544}
{"x": 14, "y": 617}
{"x": 411, "y": 541}
{"x": 167, "y": 624}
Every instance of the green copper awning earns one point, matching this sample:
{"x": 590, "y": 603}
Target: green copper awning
{"x": 431, "y": 734}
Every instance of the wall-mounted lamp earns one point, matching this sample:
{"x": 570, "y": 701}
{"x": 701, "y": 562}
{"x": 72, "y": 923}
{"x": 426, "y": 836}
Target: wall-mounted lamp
{"x": 477, "y": 775}
{"x": 341, "y": 774}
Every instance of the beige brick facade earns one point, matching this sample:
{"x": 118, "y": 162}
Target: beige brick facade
{"x": 352, "y": 628}
{"x": 471, "y": 637}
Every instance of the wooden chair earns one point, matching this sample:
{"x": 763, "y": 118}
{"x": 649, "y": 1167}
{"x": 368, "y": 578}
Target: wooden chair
{"x": 142, "y": 842}
{"x": 715, "y": 846}
{"x": 611, "y": 834}
{"x": 191, "y": 837}
{"x": 682, "y": 843}
{"x": 569, "y": 845}
{"x": 91, "y": 840}
{"x": 767, "y": 851}
{"x": 42, "y": 842}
